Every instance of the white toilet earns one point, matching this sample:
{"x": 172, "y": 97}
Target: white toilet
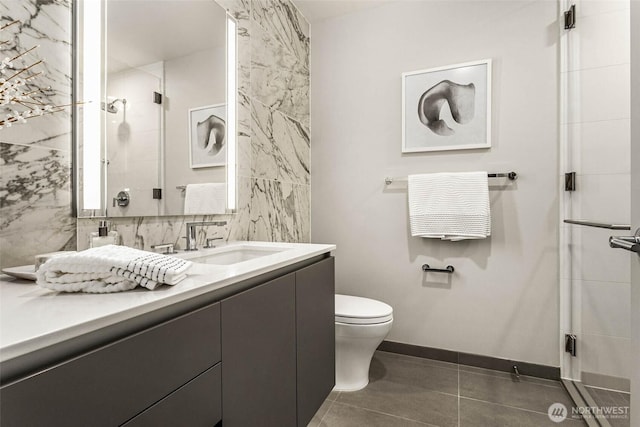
{"x": 361, "y": 325}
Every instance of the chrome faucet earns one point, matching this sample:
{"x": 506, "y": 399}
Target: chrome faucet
{"x": 191, "y": 232}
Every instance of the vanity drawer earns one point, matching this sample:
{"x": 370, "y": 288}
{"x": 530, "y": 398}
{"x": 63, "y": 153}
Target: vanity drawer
{"x": 110, "y": 385}
{"x": 196, "y": 404}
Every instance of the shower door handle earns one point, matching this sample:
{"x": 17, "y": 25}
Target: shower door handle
{"x": 630, "y": 243}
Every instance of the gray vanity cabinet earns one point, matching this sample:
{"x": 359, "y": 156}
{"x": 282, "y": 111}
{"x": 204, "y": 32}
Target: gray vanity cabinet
{"x": 315, "y": 337}
{"x": 111, "y": 384}
{"x": 278, "y": 356}
{"x": 259, "y": 356}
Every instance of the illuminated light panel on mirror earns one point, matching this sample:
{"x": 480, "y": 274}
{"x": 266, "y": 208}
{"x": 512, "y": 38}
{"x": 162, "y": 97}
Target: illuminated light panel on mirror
{"x": 91, "y": 95}
{"x": 231, "y": 113}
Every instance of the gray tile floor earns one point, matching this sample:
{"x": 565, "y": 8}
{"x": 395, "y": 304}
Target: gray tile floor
{"x": 609, "y": 398}
{"x": 409, "y": 391}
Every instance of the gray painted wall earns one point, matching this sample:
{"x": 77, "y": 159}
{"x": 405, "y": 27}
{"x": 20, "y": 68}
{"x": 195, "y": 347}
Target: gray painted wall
{"x": 503, "y": 299}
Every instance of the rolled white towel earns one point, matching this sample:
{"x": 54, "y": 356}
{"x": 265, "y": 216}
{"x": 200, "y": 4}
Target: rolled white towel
{"x": 111, "y": 268}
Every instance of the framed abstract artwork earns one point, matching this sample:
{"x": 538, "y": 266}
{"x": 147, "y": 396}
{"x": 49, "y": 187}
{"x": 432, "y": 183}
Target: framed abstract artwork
{"x": 447, "y": 108}
{"x": 207, "y": 136}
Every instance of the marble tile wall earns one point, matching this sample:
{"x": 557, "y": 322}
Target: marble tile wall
{"x": 273, "y": 114}
{"x": 280, "y": 144}
{"x": 273, "y": 154}
{"x": 35, "y": 157}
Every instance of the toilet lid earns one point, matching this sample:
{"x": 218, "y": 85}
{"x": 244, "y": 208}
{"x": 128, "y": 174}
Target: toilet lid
{"x": 358, "y": 310}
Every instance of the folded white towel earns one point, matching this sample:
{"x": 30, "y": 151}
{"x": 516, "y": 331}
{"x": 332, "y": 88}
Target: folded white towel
{"x": 203, "y": 199}
{"x": 450, "y": 206}
{"x": 110, "y": 268}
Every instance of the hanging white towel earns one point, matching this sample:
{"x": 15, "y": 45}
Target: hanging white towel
{"x": 110, "y": 268}
{"x": 450, "y": 206}
{"x": 204, "y": 199}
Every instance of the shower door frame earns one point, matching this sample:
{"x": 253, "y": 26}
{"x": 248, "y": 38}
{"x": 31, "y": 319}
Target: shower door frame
{"x": 570, "y": 296}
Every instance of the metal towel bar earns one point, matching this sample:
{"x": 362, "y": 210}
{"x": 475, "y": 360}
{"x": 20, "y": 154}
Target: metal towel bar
{"x": 511, "y": 175}
{"x": 448, "y": 269}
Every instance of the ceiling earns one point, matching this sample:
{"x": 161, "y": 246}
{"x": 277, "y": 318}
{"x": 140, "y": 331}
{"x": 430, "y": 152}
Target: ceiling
{"x": 317, "y": 10}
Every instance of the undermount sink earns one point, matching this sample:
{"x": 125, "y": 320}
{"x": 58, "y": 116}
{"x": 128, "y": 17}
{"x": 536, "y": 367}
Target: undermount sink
{"x": 234, "y": 254}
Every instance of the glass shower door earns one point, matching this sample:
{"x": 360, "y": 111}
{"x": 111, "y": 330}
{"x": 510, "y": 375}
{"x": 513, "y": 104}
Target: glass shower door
{"x": 134, "y": 129}
{"x": 595, "y": 146}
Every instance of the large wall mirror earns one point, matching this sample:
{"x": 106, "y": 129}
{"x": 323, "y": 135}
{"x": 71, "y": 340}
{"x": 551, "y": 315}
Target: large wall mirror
{"x": 155, "y": 128}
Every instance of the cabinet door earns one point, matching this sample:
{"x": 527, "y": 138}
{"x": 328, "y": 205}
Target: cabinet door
{"x": 108, "y": 386}
{"x": 315, "y": 336}
{"x": 259, "y": 356}
{"x": 195, "y": 404}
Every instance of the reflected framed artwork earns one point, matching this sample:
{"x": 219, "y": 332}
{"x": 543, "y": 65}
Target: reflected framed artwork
{"x": 447, "y": 108}
{"x": 207, "y": 136}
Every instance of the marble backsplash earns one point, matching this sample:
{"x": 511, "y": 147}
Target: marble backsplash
{"x": 145, "y": 232}
{"x": 273, "y": 152}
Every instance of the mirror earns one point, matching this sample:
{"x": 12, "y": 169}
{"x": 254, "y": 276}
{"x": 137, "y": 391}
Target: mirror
{"x": 155, "y": 119}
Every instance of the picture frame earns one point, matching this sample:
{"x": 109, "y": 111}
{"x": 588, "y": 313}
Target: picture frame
{"x": 207, "y": 136}
{"x": 447, "y": 108}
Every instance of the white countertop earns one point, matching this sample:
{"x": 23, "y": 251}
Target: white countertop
{"x": 33, "y": 318}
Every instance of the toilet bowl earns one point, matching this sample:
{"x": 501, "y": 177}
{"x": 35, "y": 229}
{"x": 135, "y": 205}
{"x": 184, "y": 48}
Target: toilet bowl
{"x": 361, "y": 325}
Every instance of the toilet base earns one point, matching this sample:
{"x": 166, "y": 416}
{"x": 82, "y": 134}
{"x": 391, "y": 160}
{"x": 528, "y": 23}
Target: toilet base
{"x": 355, "y": 345}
